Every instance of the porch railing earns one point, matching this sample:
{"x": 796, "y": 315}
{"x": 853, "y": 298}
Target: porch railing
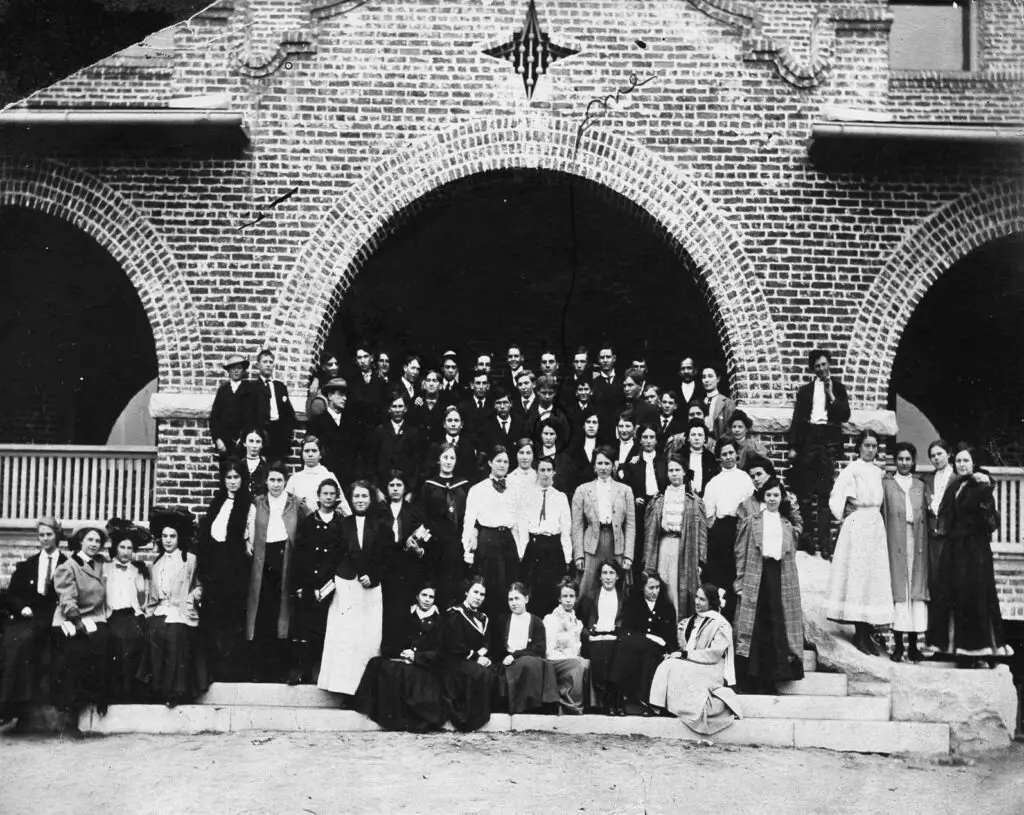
{"x": 75, "y": 482}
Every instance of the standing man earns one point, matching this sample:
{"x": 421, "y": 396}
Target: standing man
{"x": 639, "y": 364}
{"x": 335, "y": 429}
{"x": 669, "y": 423}
{"x": 815, "y": 439}
{"x": 411, "y": 376}
{"x": 525, "y": 407}
{"x": 548, "y": 411}
{"x": 689, "y": 390}
{"x": 607, "y": 389}
{"x": 227, "y": 413}
{"x": 514, "y": 357}
{"x": 452, "y": 391}
{"x": 501, "y": 426}
{"x": 365, "y": 394}
{"x": 268, "y": 407}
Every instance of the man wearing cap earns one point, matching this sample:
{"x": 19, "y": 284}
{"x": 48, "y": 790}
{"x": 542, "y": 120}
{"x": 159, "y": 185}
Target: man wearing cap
{"x": 336, "y": 431}
{"x": 228, "y": 406}
{"x": 268, "y": 406}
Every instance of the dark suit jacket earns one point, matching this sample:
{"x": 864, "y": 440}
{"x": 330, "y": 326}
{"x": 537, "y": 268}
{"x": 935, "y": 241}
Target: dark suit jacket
{"x": 536, "y": 644}
{"x": 228, "y": 414}
{"x": 340, "y": 440}
{"x": 661, "y": 622}
{"x": 676, "y": 425}
{"x": 390, "y": 452}
{"x": 526, "y": 414}
{"x": 453, "y": 395}
{"x": 465, "y": 457}
{"x": 491, "y": 434}
{"x": 473, "y": 417}
{"x": 23, "y": 591}
{"x": 365, "y": 400}
{"x": 697, "y": 395}
{"x": 256, "y": 404}
{"x": 429, "y": 421}
{"x": 367, "y": 559}
{"x": 607, "y": 394}
{"x": 396, "y": 562}
{"x": 709, "y": 466}
{"x": 575, "y": 414}
{"x": 558, "y": 418}
{"x": 643, "y": 413}
{"x": 635, "y": 474}
{"x": 838, "y": 411}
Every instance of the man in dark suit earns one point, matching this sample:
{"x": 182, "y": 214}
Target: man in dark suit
{"x": 632, "y": 400}
{"x": 365, "y": 393}
{"x": 815, "y": 440}
{"x": 30, "y": 600}
{"x": 689, "y": 388}
{"x": 395, "y": 444}
{"x": 525, "y": 406}
{"x": 452, "y": 391}
{"x": 268, "y": 407}
{"x": 501, "y": 427}
{"x": 514, "y": 358}
{"x": 579, "y": 406}
{"x": 548, "y": 411}
{"x": 477, "y": 406}
{"x": 228, "y": 411}
{"x": 337, "y": 431}
{"x": 606, "y": 384}
{"x": 669, "y": 423}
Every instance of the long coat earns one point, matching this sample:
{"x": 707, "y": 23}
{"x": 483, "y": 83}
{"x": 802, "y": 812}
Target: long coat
{"x": 894, "y": 514}
{"x": 693, "y": 547}
{"x": 586, "y": 524}
{"x": 81, "y": 591}
{"x": 293, "y": 512}
{"x": 749, "y": 560}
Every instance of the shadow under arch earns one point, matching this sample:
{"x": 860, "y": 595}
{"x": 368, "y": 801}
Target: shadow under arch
{"x": 946, "y": 236}
{"x": 91, "y": 205}
{"x": 356, "y": 225}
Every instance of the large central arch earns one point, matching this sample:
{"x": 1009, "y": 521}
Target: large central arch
{"x": 354, "y": 227}
{"x": 129, "y": 237}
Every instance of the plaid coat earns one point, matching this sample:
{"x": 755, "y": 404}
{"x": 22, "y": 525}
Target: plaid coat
{"x": 748, "y": 584}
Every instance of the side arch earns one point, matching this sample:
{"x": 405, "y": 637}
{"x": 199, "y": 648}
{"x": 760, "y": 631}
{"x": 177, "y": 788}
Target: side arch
{"x": 937, "y": 243}
{"x": 111, "y": 220}
{"x": 351, "y": 231}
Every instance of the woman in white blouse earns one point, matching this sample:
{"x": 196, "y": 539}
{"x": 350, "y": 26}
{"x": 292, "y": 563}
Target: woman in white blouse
{"x": 545, "y": 522}
{"x": 489, "y": 533}
{"x": 722, "y": 498}
{"x": 305, "y": 483}
{"x": 564, "y": 631}
{"x": 601, "y": 613}
{"x": 770, "y": 623}
{"x": 224, "y": 562}
{"x": 524, "y": 476}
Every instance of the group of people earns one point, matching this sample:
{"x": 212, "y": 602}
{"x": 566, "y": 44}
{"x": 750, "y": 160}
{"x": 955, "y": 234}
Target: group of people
{"x": 585, "y": 545}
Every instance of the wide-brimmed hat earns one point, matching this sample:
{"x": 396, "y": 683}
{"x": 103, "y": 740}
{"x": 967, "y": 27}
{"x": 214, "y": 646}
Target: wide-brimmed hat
{"x": 177, "y": 518}
{"x": 235, "y": 359}
{"x": 335, "y": 384}
{"x": 121, "y": 529}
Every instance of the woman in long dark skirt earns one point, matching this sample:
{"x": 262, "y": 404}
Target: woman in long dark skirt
{"x": 444, "y": 507}
{"x": 226, "y": 536}
{"x": 601, "y": 613}
{"x": 404, "y": 563}
{"x": 545, "y": 520}
{"x": 173, "y": 667}
{"x": 468, "y": 678}
{"x": 401, "y": 689}
{"x": 519, "y": 649}
{"x": 127, "y": 589}
{"x": 968, "y": 517}
{"x": 648, "y": 634}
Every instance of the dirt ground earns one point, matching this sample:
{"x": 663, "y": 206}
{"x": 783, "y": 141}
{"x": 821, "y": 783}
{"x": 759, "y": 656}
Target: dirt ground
{"x": 284, "y": 773}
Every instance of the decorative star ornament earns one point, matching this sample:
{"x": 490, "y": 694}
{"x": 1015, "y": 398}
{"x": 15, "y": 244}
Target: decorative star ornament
{"x": 530, "y": 51}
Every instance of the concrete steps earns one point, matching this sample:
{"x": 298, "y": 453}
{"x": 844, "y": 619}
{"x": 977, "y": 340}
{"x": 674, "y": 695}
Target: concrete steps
{"x": 846, "y": 736}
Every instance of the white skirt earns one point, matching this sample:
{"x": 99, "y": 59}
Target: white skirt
{"x": 859, "y": 589}
{"x": 910, "y": 615}
{"x": 354, "y": 623}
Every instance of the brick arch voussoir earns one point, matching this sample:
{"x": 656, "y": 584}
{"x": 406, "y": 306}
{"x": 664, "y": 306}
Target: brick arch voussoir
{"x": 131, "y": 240}
{"x": 356, "y": 225}
{"x": 946, "y": 236}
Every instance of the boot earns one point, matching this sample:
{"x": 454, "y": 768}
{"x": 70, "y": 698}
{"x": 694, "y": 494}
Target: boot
{"x": 913, "y": 654}
{"x": 299, "y": 671}
{"x": 897, "y": 651}
{"x": 861, "y": 638}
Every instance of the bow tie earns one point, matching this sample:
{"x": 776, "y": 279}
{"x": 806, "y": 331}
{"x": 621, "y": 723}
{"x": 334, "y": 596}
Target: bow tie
{"x": 499, "y": 484}
{"x": 121, "y": 567}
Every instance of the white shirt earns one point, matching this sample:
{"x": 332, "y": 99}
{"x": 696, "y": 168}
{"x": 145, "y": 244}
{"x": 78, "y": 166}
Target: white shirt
{"x": 607, "y": 609}
{"x": 818, "y": 413}
{"x": 686, "y": 390}
{"x": 650, "y": 478}
{"x": 771, "y": 545}
{"x": 360, "y": 526}
{"x": 46, "y": 561}
{"x": 235, "y": 385}
{"x": 488, "y": 507}
{"x": 252, "y": 464}
{"x": 121, "y": 591}
{"x": 334, "y": 414}
{"x": 588, "y": 448}
{"x": 604, "y": 501}
{"x": 397, "y": 428}
{"x": 527, "y": 404}
{"x": 557, "y": 516}
{"x": 942, "y": 479}
{"x": 518, "y": 632}
{"x": 697, "y": 468}
{"x": 625, "y": 448}
{"x": 276, "y": 530}
{"x": 304, "y": 484}
{"x": 219, "y": 528}
{"x": 396, "y": 509}
{"x": 274, "y": 415}
{"x": 905, "y": 482}
{"x": 725, "y": 492}
{"x": 409, "y": 388}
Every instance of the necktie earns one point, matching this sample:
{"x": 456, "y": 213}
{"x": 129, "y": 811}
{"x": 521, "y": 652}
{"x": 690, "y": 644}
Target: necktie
{"x": 664, "y": 422}
{"x": 49, "y": 572}
{"x": 544, "y": 505}
{"x": 504, "y": 425}
{"x": 479, "y": 404}
{"x": 122, "y": 567}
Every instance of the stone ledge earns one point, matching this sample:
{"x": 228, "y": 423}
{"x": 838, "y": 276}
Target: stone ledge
{"x": 770, "y": 419}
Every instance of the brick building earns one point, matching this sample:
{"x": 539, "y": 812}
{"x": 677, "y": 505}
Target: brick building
{"x": 800, "y": 172}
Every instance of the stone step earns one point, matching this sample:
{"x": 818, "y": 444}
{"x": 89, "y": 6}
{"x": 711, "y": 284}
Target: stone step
{"x": 836, "y": 708}
{"x": 252, "y": 694}
{"x": 810, "y": 661}
{"x": 847, "y": 736}
{"x": 816, "y": 684}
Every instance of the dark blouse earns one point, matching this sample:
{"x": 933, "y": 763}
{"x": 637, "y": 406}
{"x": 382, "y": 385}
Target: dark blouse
{"x": 465, "y": 633}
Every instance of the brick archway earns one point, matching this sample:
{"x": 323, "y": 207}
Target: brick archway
{"x": 943, "y": 238}
{"x": 99, "y": 211}
{"x": 355, "y": 226}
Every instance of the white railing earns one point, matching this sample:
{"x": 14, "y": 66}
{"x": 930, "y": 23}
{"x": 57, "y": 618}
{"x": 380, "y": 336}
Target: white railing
{"x": 74, "y": 482}
{"x": 1009, "y": 491}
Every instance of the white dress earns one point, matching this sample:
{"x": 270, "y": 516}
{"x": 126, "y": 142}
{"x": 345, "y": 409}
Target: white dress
{"x": 859, "y": 590}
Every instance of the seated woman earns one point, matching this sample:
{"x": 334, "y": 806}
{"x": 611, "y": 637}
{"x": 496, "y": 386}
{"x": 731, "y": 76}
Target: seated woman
{"x": 468, "y": 679}
{"x": 648, "y": 634}
{"x": 563, "y": 631}
{"x": 25, "y": 654}
{"x": 519, "y": 646}
{"x": 770, "y": 623}
{"x": 601, "y": 613}
{"x": 127, "y": 590}
{"x": 401, "y": 689}
{"x": 691, "y": 683}
{"x": 81, "y": 649}
{"x": 173, "y": 668}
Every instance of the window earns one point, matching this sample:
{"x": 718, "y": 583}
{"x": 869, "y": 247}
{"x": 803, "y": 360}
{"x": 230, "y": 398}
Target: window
{"x": 931, "y": 35}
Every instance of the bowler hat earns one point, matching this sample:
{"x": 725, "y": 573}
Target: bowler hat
{"x": 235, "y": 359}
{"x": 335, "y": 384}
